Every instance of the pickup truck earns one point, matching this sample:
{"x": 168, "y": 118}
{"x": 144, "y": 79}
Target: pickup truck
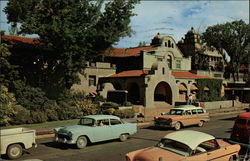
{"x": 13, "y": 141}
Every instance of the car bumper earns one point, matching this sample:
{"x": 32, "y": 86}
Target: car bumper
{"x": 164, "y": 125}
{"x": 64, "y": 140}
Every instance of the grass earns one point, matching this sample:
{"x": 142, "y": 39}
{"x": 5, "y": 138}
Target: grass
{"x": 51, "y": 124}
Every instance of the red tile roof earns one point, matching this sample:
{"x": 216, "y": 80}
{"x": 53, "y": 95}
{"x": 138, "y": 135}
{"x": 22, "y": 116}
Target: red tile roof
{"x": 131, "y": 73}
{"x": 188, "y": 75}
{"x": 126, "y": 52}
{"x": 12, "y": 39}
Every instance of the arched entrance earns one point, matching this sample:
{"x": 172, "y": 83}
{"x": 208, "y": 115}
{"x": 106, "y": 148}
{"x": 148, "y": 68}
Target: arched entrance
{"x": 163, "y": 93}
{"x": 133, "y": 93}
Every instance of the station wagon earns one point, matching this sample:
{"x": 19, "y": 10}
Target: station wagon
{"x": 95, "y": 128}
{"x": 181, "y": 116}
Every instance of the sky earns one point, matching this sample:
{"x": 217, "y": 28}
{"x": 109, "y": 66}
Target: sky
{"x": 173, "y": 18}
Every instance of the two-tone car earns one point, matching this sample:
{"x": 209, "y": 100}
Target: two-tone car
{"x": 187, "y": 145}
{"x": 95, "y": 128}
{"x": 181, "y": 116}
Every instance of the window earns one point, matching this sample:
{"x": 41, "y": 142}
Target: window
{"x": 103, "y": 122}
{"x": 92, "y": 80}
{"x": 188, "y": 112}
{"x": 163, "y": 70}
{"x": 194, "y": 111}
{"x": 209, "y": 145}
{"x": 115, "y": 122}
{"x": 241, "y": 121}
{"x": 159, "y": 59}
{"x": 169, "y": 43}
{"x": 169, "y": 60}
{"x": 178, "y": 64}
{"x": 199, "y": 111}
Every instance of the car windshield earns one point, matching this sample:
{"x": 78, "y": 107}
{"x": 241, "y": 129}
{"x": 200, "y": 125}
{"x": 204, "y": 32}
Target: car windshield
{"x": 176, "y": 112}
{"x": 87, "y": 122}
{"x": 174, "y": 146}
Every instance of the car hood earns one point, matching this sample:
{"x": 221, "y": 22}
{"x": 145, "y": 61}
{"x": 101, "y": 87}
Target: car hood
{"x": 154, "y": 153}
{"x": 73, "y": 129}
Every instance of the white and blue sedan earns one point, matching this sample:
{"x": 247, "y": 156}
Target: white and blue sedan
{"x": 95, "y": 128}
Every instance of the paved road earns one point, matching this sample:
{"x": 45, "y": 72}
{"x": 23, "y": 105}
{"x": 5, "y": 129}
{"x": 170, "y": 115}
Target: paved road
{"x": 47, "y": 150}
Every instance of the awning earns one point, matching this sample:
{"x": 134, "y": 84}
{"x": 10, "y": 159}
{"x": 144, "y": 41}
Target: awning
{"x": 182, "y": 88}
{"x": 193, "y": 87}
{"x": 206, "y": 89}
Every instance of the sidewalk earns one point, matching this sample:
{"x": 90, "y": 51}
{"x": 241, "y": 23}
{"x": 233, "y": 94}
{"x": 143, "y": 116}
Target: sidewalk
{"x": 49, "y": 132}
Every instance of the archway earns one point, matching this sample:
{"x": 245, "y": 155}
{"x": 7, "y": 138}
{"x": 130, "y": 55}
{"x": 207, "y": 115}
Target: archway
{"x": 163, "y": 92}
{"x": 133, "y": 93}
{"x": 117, "y": 86}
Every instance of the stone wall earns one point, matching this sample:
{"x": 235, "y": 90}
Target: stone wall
{"x": 220, "y": 104}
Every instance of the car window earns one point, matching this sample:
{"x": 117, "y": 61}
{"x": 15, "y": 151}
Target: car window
{"x": 87, "y": 122}
{"x": 209, "y": 145}
{"x": 199, "y": 111}
{"x": 248, "y": 123}
{"x": 115, "y": 122}
{"x": 194, "y": 111}
{"x": 176, "y": 112}
{"x": 174, "y": 146}
{"x": 241, "y": 121}
{"x": 188, "y": 112}
{"x": 103, "y": 122}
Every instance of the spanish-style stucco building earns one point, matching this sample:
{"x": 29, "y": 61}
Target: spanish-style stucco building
{"x": 157, "y": 75}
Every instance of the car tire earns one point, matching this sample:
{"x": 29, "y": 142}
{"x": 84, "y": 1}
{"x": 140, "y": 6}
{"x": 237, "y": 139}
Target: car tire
{"x": 14, "y": 151}
{"x": 233, "y": 158}
{"x": 201, "y": 123}
{"x": 81, "y": 142}
{"x": 123, "y": 137}
{"x": 177, "y": 126}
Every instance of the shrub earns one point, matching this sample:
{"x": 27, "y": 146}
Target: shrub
{"x": 109, "y": 111}
{"x": 37, "y": 117}
{"x": 22, "y": 116}
{"x": 107, "y": 105}
{"x": 86, "y": 107}
{"x": 125, "y": 113}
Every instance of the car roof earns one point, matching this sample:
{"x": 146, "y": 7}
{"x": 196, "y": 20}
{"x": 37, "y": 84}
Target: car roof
{"x": 187, "y": 107}
{"x": 244, "y": 115}
{"x": 98, "y": 117}
{"x": 190, "y": 138}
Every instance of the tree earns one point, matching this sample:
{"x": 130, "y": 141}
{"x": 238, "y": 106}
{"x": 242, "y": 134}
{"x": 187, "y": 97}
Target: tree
{"x": 8, "y": 71}
{"x": 234, "y": 38}
{"x": 75, "y": 30}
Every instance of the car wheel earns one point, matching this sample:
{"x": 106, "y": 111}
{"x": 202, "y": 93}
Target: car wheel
{"x": 177, "y": 126}
{"x": 14, "y": 151}
{"x": 81, "y": 142}
{"x": 233, "y": 158}
{"x": 123, "y": 137}
{"x": 201, "y": 123}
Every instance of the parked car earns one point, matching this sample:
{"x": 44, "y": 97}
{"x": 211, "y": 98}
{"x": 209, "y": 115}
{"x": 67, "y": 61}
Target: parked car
{"x": 181, "y": 116}
{"x": 95, "y": 128}
{"x": 187, "y": 145}
{"x": 241, "y": 129}
{"x": 13, "y": 141}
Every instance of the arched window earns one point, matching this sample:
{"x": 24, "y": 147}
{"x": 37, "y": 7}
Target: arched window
{"x": 169, "y": 60}
{"x": 163, "y": 70}
{"x": 169, "y": 43}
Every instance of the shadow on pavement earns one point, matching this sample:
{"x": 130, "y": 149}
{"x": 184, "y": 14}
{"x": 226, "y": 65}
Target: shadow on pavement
{"x": 59, "y": 145}
{"x": 140, "y": 138}
{"x": 229, "y": 130}
{"x": 229, "y": 119}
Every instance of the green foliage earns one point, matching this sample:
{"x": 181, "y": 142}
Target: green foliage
{"x": 75, "y": 31}
{"x": 37, "y": 117}
{"x": 8, "y": 72}
{"x": 234, "y": 38}
{"x": 214, "y": 93}
{"x": 107, "y": 105}
{"x": 22, "y": 116}
{"x": 31, "y": 98}
{"x": 125, "y": 113}
{"x": 7, "y": 105}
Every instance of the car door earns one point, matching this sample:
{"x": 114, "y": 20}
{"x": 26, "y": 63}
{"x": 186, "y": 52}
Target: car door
{"x": 187, "y": 118}
{"x": 196, "y": 118}
{"x": 117, "y": 128}
{"x": 102, "y": 130}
